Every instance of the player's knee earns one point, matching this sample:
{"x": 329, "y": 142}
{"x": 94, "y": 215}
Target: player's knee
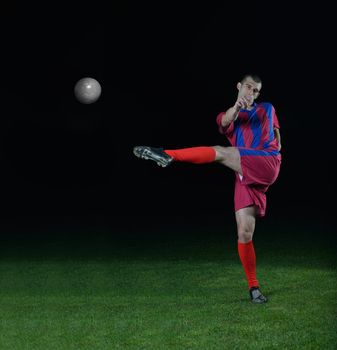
{"x": 245, "y": 235}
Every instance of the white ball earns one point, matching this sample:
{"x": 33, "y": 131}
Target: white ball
{"x": 87, "y": 90}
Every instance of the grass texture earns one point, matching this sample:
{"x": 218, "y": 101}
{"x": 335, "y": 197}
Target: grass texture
{"x": 178, "y": 286}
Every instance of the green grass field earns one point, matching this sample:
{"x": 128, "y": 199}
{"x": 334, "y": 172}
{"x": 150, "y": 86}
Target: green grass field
{"x": 166, "y": 287}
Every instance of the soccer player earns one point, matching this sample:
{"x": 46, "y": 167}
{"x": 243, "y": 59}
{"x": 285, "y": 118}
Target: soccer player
{"x": 252, "y": 129}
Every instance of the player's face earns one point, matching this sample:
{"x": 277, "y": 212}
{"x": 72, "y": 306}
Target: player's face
{"x": 249, "y": 89}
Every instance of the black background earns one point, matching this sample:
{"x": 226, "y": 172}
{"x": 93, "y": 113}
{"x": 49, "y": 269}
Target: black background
{"x": 166, "y": 71}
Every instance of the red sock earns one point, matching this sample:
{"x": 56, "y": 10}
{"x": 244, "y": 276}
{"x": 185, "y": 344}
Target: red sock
{"x": 248, "y": 260}
{"x": 197, "y": 155}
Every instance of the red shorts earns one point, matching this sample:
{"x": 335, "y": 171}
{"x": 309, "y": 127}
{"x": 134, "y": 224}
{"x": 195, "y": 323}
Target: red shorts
{"x": 259, "y": 172}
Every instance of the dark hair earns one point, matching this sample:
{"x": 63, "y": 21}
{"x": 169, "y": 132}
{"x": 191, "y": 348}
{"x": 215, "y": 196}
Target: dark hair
{"x": 255, "y": 77}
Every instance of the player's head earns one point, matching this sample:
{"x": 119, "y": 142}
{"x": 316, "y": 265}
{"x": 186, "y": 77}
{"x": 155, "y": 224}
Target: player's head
{"x": 249, "y": 86}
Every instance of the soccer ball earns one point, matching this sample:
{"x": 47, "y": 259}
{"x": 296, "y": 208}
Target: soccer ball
{"x": 87, "y": 90}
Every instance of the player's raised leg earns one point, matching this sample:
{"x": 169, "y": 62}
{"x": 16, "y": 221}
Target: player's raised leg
{"x": 197, "y": 155}
{"x": 228, "y": 156}
{"x": 245, "y": 219}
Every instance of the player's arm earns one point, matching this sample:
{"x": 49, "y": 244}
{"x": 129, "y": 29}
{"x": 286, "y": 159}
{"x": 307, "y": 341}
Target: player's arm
{"x": 232, "y": 113}
{"x": 278, "y": 137}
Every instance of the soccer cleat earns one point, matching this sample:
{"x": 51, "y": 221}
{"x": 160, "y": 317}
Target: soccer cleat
{"x": 156, "y": 154}
{"x": 256, "y": 296}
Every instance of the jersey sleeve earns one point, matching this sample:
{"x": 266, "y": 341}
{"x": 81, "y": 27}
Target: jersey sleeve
{"x": 225, "y": 130}
{"x": 276, "y": 124}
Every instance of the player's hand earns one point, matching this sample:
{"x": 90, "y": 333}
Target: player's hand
{"x": 241, "y": 103}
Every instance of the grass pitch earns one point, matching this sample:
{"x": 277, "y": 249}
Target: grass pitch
{"x": 138, "y": 286}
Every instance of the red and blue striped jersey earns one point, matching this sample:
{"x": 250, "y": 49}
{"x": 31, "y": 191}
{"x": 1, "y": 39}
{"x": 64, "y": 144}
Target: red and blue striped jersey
{"x": 253, "y": 130}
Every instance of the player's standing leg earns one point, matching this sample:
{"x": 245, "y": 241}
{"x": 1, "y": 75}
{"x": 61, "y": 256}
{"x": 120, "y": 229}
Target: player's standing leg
{"x": 245, "y": 217}
{"x": 245, "y": 220}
